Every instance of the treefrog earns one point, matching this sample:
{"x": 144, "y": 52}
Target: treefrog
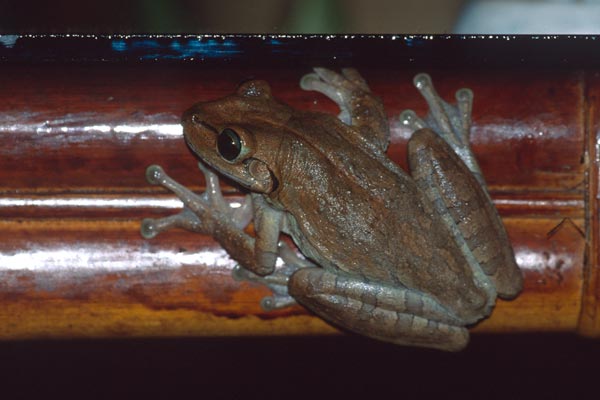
{"x": 411, "y": 259}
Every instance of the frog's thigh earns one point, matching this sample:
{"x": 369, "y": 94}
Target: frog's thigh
{"x": 458, "y": 196}
{"x": 396, "y": 315}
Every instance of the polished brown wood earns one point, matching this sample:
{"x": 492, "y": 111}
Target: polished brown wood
{"x": 75, "y": 141}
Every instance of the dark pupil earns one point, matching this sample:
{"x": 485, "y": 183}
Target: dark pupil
{"x": 229, "y": 144}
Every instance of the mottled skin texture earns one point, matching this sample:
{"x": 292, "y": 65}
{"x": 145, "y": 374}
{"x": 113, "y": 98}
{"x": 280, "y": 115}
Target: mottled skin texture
{"x": 409, "y": 259}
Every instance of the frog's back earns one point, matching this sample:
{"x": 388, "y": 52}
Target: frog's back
{"x": 352, "y": 212}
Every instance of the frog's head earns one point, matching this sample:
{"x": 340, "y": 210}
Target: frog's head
{"x": 239, "y": 135}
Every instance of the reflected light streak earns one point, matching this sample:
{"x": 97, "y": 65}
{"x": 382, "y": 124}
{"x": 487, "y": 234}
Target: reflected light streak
{"x": 537, "y": 261}
{"x": 174, "y": 130}
{"x": 93, "y": 258}
{"x": 91, "y": 202}
{"x": 90, "y": 122}
{"x": 495, "y": 133}
{"x": 163, "y": 129}
{"x": 549, "y": 203}
{"x": 94, "y": 202}
{"x": 92, "y": 128}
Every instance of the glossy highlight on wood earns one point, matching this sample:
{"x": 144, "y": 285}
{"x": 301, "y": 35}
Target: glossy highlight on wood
{"x": 75, "y": 140}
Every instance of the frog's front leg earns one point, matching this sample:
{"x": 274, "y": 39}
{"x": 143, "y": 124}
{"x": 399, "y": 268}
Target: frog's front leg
{"x": 210, "y": 205}
{"x": 391, "y": 314}
{"x": 209, "y": 214}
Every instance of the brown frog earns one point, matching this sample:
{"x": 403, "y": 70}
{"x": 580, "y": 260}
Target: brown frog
{"x": 409, "y": 259}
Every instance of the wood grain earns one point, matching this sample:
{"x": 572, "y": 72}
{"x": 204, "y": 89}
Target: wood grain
{"x": 75, "y": 141}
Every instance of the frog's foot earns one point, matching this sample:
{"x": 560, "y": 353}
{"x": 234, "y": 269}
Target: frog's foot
{"x": 338, "y": 87}
{"x": 200, "y": 212}
{"x": 358, "y": 106}
{"x": 390, "y": 314}
{"x": 278, "y": 280}
{"x": 451, "y": 123}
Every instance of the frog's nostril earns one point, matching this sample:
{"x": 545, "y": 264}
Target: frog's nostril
{"x": 196, "y": 119}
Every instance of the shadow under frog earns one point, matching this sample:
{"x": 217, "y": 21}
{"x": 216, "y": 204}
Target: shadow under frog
{"x": 408, "y": 259}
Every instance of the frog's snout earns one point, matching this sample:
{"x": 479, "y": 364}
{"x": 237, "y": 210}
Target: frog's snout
{"x": 188, "y": 115}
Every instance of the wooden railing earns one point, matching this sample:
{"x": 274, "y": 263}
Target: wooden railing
{"x": 76, "y": 137}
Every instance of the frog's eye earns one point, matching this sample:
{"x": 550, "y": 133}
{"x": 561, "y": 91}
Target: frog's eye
{"x": 235, "y": 144}
{"x": 229, "y": 144}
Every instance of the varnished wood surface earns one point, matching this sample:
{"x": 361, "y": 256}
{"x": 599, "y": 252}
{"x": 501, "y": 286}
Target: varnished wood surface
{"x": 590, "y": 306}
{"x": 75, "y": 141}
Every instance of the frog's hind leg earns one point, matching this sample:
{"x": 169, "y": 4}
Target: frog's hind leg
{"x": 451, "y": 122}
{"x": 358, "y": 106}
{"x": 390, "y": 314}
{"x": 278, "y": 280}
{"x": 444, "y": 167}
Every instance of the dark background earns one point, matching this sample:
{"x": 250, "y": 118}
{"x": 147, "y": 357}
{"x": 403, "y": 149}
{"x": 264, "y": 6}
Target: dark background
{"x": 337, "y": 367}
{"x": 229, "y": 16}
